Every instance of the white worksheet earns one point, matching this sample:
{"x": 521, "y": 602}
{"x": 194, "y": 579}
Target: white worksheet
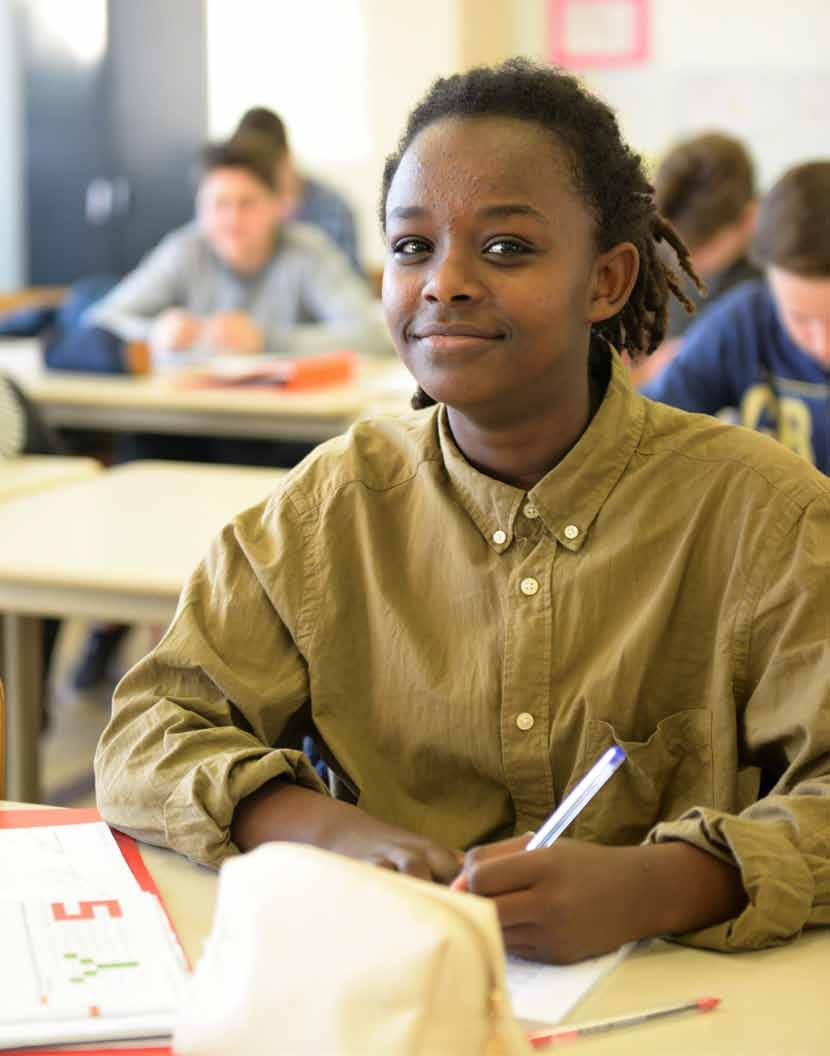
{"x": 87, "y": 969}
{"x": 545, "y": 993}
{"x": 63, "y": 860}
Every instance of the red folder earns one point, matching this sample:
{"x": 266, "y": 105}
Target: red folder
{"x": 29, "y": 819}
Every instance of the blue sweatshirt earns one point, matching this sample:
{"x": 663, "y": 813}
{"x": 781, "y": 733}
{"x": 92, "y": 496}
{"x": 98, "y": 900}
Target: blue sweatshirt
{"x": 740, "y": 356}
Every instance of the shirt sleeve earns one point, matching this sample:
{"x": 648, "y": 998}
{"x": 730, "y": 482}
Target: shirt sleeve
{"x": 701, "y": 377}
{"x": 781, "y": 843}
{"x": 345, "y": 313}
{"x": 197, "y": 725}
{"x": 129, "y": 310}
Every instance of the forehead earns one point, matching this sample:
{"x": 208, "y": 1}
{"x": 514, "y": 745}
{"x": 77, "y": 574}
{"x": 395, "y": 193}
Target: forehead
{"x": 458, "y": 159}
{"x": 231, "y": 180}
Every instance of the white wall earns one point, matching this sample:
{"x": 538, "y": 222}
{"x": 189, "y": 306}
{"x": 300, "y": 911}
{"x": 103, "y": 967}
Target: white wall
{"x": 757, "y": 68}
{"x": 342, "y": 73}
{"x": 11, "y": 157}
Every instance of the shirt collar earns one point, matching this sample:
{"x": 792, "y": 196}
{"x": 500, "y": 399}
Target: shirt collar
{"x": 570, "y": 496}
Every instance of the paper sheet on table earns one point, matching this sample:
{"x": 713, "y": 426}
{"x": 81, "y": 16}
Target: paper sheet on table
{"x": 57, "y": 878}
{"x": 62, "y": 861}
{"x": 87, "y": 970}
{"x": 545, "y": 993}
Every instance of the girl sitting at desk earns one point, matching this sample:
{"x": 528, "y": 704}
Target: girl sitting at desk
{"x": 470, "y": 603}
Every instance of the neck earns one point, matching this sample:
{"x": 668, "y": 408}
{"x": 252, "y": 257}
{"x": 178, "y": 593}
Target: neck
{"x": 522, "y": 449}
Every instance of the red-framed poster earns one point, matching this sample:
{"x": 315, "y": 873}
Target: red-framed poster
{"x": 598, "y": 33}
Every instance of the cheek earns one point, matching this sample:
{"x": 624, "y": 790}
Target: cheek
{"x": 400, "y": 295}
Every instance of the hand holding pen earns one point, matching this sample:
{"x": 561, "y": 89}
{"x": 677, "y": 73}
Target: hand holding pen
{"x": 562, "y": 901}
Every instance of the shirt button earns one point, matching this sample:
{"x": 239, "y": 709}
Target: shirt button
{"x": 525, "y": 720}
{"x": 571, "y": 531}
{"x": 529, "y": 586}
{"x": 530, "y": 511}
{"x": 499, "y": 537}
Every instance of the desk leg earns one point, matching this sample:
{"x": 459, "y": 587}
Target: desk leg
{"x": 21, "y": 674}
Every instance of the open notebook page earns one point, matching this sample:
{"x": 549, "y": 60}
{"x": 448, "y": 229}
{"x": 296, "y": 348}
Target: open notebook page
{"x": 545, "y": 993}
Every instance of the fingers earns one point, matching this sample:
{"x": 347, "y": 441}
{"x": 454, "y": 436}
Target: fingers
{"x": 517, "y": 909}
{"x": 496, "y": 876}
{"x": 445, "y": 864}
{"x": 487, "y": 851}
{"x": 426, "y": 862}
{"x": 410, "y": 862}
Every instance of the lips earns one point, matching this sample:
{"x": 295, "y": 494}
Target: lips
{"x": 455, "y": 330}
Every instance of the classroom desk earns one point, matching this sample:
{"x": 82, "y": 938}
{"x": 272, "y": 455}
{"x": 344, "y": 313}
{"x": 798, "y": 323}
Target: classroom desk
{"x": 26, "y": 474}
{"x": 774, "y": 1001}
{"x": 153, "y": 403}
{"x": 116, "y": 547}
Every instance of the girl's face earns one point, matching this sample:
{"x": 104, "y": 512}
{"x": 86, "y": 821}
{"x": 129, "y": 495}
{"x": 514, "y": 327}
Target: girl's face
{"x": 804, "y": 309}
{"x": 491, "y": 278}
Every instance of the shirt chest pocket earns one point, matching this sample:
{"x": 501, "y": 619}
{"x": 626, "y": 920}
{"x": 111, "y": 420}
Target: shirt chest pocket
{"x": 661, "y": 778}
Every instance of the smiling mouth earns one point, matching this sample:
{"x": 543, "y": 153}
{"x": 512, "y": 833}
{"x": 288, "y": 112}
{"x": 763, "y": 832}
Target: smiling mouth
{"x": 455, "y": 337}
{"x": 456, "y": 342}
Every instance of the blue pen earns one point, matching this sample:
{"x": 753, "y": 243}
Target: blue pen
{"x": 570, "y": 806}
{"x": 577, "y": 798}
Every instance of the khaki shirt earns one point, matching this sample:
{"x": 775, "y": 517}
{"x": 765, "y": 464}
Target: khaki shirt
{"x": 466, "y": 650}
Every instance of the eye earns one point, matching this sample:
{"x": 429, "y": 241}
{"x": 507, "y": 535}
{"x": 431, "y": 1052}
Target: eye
{"x": 411, "y": 247}
{"x": 507, "y": 247}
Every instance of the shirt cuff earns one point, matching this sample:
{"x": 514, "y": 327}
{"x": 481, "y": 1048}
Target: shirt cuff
{"x": 198, "y": 814}
{"x": 778, "y": 882}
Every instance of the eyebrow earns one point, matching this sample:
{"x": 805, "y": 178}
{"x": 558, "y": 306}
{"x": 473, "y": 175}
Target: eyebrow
{"x": 490, "y": 212}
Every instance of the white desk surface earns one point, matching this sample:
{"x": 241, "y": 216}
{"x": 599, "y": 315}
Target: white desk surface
{"x": 774, "y": 1002}
{"x": 117, "y": 547}
{"x": 155, "y": 403}
{"x": 26, "y": 474}
{"x": 132, "y": 533}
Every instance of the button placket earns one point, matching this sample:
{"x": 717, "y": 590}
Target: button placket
{"x": 526, "y": 699}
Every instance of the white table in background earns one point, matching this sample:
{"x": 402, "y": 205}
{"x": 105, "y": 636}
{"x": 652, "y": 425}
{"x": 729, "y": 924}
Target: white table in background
{"x": 26, "y": 474}
{"x": 154, "y": 403}
{"x": 116, "y": 547}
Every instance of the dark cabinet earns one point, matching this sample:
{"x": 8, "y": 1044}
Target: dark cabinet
{"x": 114, "y": 115}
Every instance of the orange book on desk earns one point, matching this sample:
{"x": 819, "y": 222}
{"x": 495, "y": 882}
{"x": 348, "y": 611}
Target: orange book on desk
{"x": 287, "y": 375}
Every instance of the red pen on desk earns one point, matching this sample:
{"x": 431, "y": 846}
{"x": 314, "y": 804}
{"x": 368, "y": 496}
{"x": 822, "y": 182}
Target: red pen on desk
{"x": 540, "y": 1038}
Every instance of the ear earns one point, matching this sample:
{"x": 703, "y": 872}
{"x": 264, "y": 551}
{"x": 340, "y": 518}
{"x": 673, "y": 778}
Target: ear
{"x": 612, "y": 280}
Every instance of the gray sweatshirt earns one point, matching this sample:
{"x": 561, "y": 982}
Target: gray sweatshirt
{"x": 306, "y": 299}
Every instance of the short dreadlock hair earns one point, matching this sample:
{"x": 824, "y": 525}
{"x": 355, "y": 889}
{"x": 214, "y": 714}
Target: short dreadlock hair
{"x": 606, "y": 172}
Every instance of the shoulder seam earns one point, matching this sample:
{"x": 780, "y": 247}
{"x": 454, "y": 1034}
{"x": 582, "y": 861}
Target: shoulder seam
{"x": 817, "y": 489}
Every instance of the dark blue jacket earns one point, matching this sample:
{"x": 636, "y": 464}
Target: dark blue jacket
{"x": 68, "y": 343}
{"x": 739, "y": 356}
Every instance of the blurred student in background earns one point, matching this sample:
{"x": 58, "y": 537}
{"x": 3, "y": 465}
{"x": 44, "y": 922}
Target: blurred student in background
{"x": 242, "y": 280}
{"x": 309, "y": 201}
{"x": 705, "y": 187}
{"x": 239, "y": 278}
{"x": 764, "y": 348}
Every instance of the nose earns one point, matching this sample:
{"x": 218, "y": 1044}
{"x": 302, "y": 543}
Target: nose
{"x": 453, "y": 277}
